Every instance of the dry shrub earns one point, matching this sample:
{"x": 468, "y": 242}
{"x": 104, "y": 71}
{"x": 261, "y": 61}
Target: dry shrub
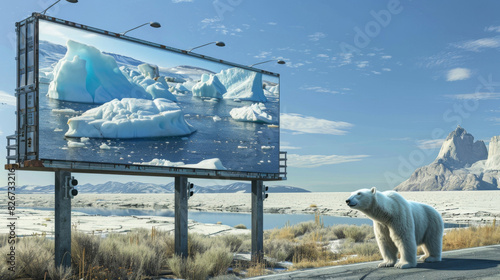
{"x": 357, "y": 234}
{"x": 187, "y": 268}
{"x": 279, "y": 249}
{"x": 217, "y": 259}
{"x": 233, "y": 241}
{"x": 258, "y": 269}
{"x": 365, "y": 249}
{"x": 213, "y": 262}
{"x": 240, "y": 226}
{"x": 286, "y": 233}
{"x": 471, "y": 237}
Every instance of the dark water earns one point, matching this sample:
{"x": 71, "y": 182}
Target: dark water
{"x": 237, "y": 144}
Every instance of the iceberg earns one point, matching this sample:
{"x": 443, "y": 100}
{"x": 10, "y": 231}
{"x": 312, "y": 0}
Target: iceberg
{"x": 209, "y": 86}
{"x": 233, "y": 83}
{"x": 87, "y": 75}
{"x": 252, "y": 113}
{"x": 157, "y": 87}
{"x": 131, "y": 118}
{"x": 242, "y": 84}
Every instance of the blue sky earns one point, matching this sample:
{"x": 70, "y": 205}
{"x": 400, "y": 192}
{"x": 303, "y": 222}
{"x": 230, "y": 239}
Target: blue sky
{"x": 369, "y": 91}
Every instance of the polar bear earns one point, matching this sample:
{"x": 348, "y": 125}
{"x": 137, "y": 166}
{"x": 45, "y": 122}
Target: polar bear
{"x": 400, "y": 226}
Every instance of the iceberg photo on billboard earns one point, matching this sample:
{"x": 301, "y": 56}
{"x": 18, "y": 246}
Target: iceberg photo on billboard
{"x": 108, "y": 100}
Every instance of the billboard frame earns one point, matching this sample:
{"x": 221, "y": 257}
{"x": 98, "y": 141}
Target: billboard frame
{"x": 27, "y": 120}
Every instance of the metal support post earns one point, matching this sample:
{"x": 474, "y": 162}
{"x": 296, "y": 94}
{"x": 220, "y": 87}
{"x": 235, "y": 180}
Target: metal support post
{"x": 62, "y": 220}
{"x": 181, "y": 217}
{"x": 257, "y": 221}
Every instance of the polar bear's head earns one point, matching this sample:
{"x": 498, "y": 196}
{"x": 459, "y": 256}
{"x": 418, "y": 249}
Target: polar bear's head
{"x": 361, "y": 199}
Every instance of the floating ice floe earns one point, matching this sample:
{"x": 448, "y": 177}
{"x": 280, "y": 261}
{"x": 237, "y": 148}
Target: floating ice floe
{"x": 214, "y": 164}
{"x": 252, "y": 113}
{"x": 87, "y": 75}
{"x": 75, "y": 144}
{"x": 104, "y": 146}
{"x": 64, "y": 111}
{"x": 131, "y": 118}
{"x": 161, "y": 162}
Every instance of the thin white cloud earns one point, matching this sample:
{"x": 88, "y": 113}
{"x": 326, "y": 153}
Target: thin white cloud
{"x": 363, "y": 64}
{"x": 272, "y": 23}
{"x": 319, "y": 89}
{"x": 294, "y": 65}
{"x": 316, "y": 36}
{"x": 386, "y": 57}
{"x": 430, "y": 144}
{"x": 311, "y": 161}
{"x": 492, "y": 29}
{"x": 476, "y": 96}
{"x": 7, "y": 99}
{"x": 262, "y": 54}
{"x": 496, "y": 120}
{"x": 181, "y": 1}
{"x": 301, "y": 124}
{"x": 322, "y": 55}
{"x": 480, "y": 44}
{"x": 210, "y": 20}
{"x": 386, "y": 69}
{"x": 457, "y": 74}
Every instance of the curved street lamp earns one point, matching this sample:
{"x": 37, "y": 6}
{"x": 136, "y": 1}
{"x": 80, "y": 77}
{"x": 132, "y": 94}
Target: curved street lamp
{"x": 70, "y": 1}
{"x": 152, "y": 24}
{"x": 279, "y": 61}
{"x": 217, "y": 43}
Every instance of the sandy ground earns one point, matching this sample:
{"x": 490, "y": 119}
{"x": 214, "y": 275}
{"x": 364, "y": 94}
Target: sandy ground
{"x": 455, "y": 207}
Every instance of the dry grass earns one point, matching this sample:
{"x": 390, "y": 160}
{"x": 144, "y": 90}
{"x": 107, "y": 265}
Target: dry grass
{"x": 144, "y": 254}
{"x": 471, "y": 237}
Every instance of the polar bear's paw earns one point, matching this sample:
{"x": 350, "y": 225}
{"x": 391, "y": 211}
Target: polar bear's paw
{"x": 386, "y": 264}
{"x": 431, "y": 259}
{"x": 403, "y": 265}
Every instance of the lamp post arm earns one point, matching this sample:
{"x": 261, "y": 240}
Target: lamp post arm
{"x": 133, "y": 28}
{"x": 43, "y": 13}
{"x": 200, "y": 46}
{"x": 261, "y": 62}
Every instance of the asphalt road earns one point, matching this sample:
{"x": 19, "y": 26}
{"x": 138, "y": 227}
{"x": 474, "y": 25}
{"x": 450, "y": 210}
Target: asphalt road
{"x": 473, "y": 263}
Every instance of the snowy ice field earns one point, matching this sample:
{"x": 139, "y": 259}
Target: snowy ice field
{"x": 112, "y": 108}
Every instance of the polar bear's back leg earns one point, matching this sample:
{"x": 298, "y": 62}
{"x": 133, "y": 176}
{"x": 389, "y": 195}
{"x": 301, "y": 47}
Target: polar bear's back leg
{"x": 433, "y": 240}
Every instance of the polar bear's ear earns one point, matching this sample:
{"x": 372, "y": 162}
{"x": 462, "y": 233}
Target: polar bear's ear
{"x": 374, "y": 190}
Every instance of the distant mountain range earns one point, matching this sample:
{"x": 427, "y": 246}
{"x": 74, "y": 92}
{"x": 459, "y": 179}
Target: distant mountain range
{"x": 136, "y": 187}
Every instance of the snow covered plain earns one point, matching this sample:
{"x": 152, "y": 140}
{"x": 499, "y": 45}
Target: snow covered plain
{"x": 455, "y": 206}
{"x": 201, "y": 126}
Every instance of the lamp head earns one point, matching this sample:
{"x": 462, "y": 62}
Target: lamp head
{"x": 220, "y": 44}
{"x": 155, "y": 24}
{"x": 72, "y": 1}
{"x": 281, "y": 61}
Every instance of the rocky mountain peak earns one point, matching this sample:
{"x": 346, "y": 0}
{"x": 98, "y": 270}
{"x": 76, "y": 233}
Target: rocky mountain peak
{"x": 460, "y": 150}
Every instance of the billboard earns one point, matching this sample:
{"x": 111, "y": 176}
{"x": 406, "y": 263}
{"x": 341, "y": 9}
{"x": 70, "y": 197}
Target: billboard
{"x": 109, "y": 100}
